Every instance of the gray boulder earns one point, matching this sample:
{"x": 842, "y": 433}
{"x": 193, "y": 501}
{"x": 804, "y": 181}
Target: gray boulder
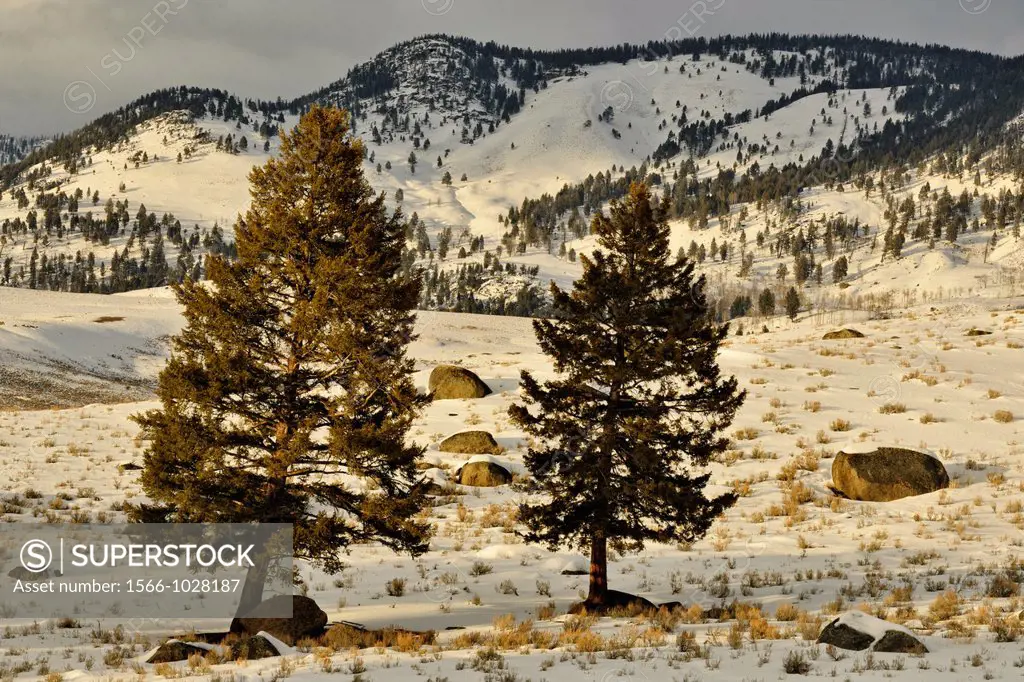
{"x": 483, "y": 474}
{"x": 470, "y": 443}
{"x": 886, "y": 474}
{"x": 448, "y": 382}
{"x": 856, "y": 631}
{"x": 308, "y": 619}
{"x": 845, "y": 637}
{"x": 843, "y": 334}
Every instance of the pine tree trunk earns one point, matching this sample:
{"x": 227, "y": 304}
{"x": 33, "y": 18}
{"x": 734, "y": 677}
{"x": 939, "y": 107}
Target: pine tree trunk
{"x": 598, "y": 570}
{"x": 252, "y": 590}
{"x": 256, "y": 576}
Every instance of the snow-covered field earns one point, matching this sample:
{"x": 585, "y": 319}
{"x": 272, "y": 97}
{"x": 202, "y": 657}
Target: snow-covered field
{"x": 789, "y": 546}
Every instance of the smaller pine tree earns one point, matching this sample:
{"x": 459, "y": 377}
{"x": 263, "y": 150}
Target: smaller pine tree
{"x": 792, "y": 303}
{"x": 639, "y": 403}
{"x": 766, "y": 303}
{"x": 839, "y": 269}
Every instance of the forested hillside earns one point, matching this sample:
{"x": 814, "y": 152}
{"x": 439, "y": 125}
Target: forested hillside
{"x": 804, "y": 161}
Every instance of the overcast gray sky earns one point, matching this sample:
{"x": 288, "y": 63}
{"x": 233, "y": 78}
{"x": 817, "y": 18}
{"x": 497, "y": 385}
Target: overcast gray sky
{"x": 64, "y": 62}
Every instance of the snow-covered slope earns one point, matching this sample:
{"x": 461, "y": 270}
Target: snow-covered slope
{"x": 796, "y": 555}
{"x": 427, "y": 98}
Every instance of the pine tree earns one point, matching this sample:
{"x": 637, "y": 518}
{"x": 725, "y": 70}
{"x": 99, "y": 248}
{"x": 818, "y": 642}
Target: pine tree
{"x": 766, "y": 303}
{"x": 840, "y": 269}
{"x": 291, "y": 372}
{"x": 638, "y": 402}
{"x": 792, "y": 303}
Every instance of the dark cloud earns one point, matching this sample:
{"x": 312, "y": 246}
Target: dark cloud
{"x": 64, "y": 61}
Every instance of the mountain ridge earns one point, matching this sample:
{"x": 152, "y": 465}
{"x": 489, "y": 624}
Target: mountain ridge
{"x": 500, "y": 179}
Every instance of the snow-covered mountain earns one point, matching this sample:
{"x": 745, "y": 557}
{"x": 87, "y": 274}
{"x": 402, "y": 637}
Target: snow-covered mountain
{"x": 501, "y": 154}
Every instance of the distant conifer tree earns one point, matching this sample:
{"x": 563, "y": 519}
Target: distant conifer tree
{"x": 792, "y": 303}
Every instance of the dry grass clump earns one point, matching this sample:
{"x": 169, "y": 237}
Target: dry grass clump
{"x": 812, "y": 406}
{"x": 1003, "y": 416}
{"x": 747, "y": 433}
{"x": 892, "y": 408}
{"x": 945, "y": 606}
{"x": 345, "y": 637}
{"x": 576, "y": 633}
{"x": 809, "y": 626}
{"x": 742, "y": 487}
{"x": 1005, "y": 629}
{"x": 920, "y": 376}
{"x": 929, "y": 418}
{"x": 808, "y": 460}
{"x": 787, "y": 612}
{"x": 504, "y": 516}
{"x": 795, "y": 495}
{"x": 840, "y": 425}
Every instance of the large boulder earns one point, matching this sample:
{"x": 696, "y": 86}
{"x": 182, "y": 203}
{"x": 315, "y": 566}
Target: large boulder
{"x": 470, "y": 443}
{"x": 448, "y": 382}
{"x": 887, "y": 473}
{"x": 843, "y": 334}
{"x": 481, "y": 472}
{"x": 614, "y": 601}
{"x": 308, "y": 619}
{"x": 856, "y": 631}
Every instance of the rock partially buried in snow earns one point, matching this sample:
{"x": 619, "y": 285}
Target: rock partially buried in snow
{"x": 614, "y": 601}
{"x": 308, "y": 619}
{"x": 857, "y": 631}
{"x": 843, "y": 334}
{"x": 262, "y": 645}
{"x": 483, "y": 472}
{"x": 25, "y": 575}
{"x": 576, "y": 566}
{"x": 887, "y": 473}
{"x": 253, "y": 648}
{"x": 470, "y": 443}
{"x": 448, "y": 382}
{"x": 436, "y": 480}
{"x": 173, "y": 651}
{"x": 897, "y": 642}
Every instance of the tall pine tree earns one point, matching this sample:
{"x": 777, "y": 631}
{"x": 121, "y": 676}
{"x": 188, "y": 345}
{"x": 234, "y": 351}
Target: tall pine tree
{"x": 290, "y": 381}
{"x": 638, "y": 405}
